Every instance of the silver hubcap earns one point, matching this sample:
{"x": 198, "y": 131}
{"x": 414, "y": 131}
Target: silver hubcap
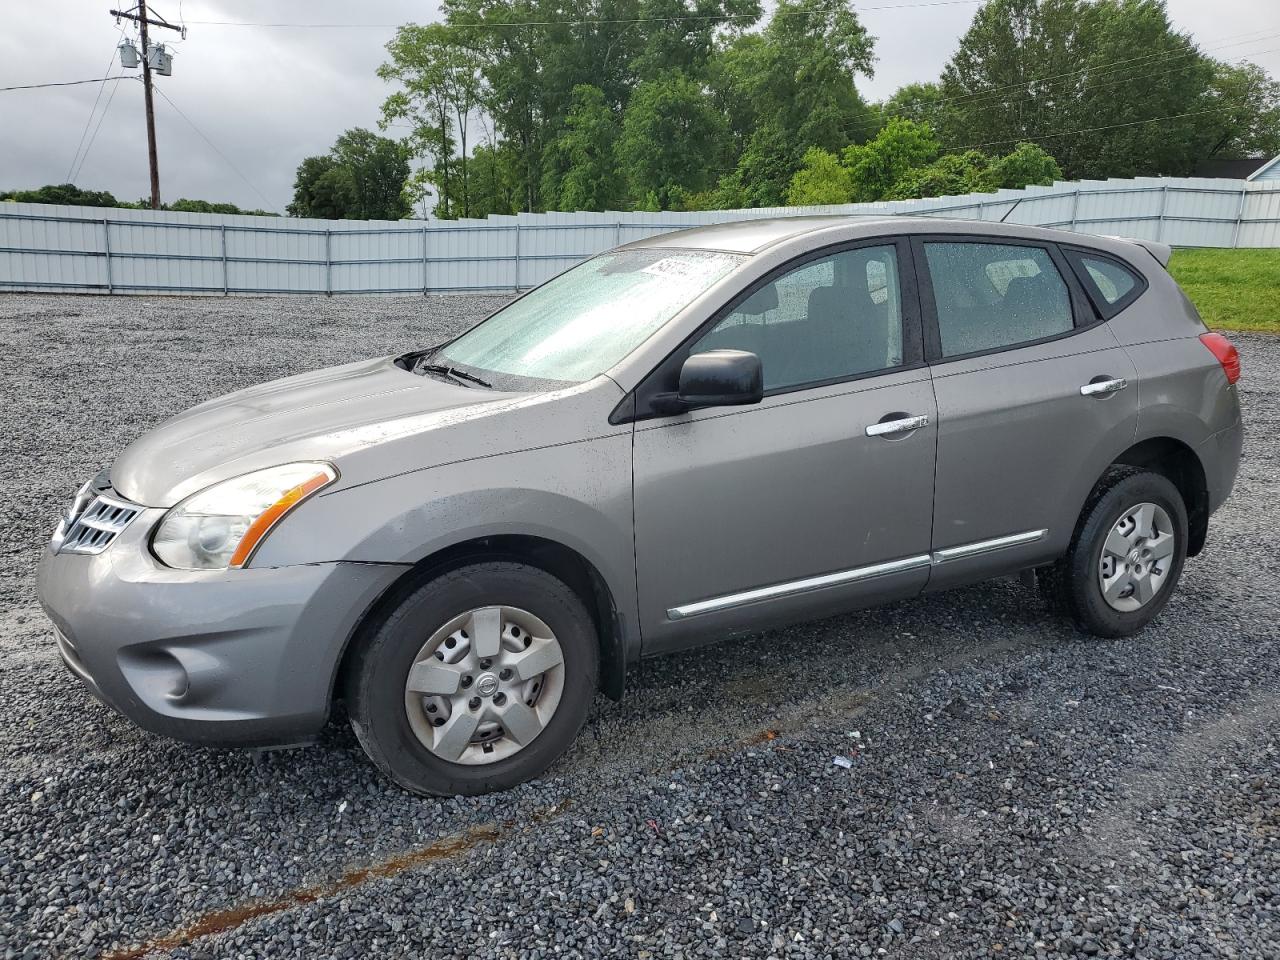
{"x": 1136, "y": 557}
{"x": 484, "y": 685}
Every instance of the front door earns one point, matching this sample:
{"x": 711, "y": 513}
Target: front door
{"x": 1034, "y": 398}
{"x": 818, "y": 498}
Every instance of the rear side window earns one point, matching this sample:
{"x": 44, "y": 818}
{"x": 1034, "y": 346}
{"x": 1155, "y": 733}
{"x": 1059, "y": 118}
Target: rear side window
{"x": 1111, "y": 285}
{"x": 990, "y": 295}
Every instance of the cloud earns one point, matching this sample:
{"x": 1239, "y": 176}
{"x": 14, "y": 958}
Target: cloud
{"x": 267, "y": 97}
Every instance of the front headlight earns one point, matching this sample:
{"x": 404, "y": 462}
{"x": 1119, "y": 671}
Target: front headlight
{"x": 222, "y": 525}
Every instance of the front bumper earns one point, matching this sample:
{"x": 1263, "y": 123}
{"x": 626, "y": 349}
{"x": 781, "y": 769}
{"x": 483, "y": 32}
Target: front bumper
{"x": 228, "y": 657}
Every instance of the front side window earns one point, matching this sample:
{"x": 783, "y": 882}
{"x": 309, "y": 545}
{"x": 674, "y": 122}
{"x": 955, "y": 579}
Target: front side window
{"x": 835, "y": 317}
{"x": 587, "y": 319}
{"x": 991, "y": 295}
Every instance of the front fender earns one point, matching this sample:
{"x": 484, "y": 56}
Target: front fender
{"x": 574, "y": 494}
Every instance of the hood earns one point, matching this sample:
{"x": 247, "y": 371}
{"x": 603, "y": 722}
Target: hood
{"x": 322, "y": 415}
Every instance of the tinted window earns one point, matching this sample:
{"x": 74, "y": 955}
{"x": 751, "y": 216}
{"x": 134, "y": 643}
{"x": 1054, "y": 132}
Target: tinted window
{"x": 830, "y": 318}
{"x": 991, "y": 295}
{"x": 1113, "y": 281}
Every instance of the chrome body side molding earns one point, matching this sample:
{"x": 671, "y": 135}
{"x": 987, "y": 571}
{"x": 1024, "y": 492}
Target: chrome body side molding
{"x": 988, "y": 546}
{"x": 791, "y": 588}
{"x": 779, "y": 590}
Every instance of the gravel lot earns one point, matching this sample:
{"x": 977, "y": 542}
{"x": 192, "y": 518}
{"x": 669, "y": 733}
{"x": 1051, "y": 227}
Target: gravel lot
{"x": 1016, "y": 789}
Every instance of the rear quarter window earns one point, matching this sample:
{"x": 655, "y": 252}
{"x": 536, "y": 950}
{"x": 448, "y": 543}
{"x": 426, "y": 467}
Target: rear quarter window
{"x": 1110, "y": 284}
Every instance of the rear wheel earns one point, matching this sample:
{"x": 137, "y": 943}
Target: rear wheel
{"x": 1126, "y": 556}
{"x": 479, "y": 680}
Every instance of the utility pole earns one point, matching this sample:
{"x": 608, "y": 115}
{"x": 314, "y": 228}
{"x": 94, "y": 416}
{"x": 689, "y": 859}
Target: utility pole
{"x": 143, "y": 21}
{"x": 151, "y": 112}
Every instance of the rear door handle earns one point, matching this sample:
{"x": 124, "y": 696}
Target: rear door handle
{"x": 1101, "y": 388}
{"x": 890, "y": 427}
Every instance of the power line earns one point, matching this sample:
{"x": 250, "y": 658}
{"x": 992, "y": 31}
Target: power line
{"x": 93, "y": 138}
{"x": 877, "y": 122}
{"x": 65, "y": 83}
{"x": 94, "y": 109}
{"x": 881, "y": 116}
{"x": 1070, "y": 133}
{"x": 1172, "y": 70}
{"x": 214, "y": 147}
{"x": 1146, "y": 60}
{"x": 520, "y": 24}
{"x": 1089, "y": 88}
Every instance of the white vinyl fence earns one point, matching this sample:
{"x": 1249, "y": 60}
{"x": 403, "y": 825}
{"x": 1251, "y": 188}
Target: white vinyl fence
{"x": 98, "y": 250}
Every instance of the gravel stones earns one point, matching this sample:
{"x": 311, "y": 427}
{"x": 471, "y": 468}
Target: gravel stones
{"x": 1015, "y": 788}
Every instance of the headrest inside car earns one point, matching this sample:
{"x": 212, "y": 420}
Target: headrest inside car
{"x": 762, "y": 301}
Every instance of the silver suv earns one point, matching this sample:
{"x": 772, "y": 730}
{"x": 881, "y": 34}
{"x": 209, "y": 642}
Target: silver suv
{"x": 700, "y": 434}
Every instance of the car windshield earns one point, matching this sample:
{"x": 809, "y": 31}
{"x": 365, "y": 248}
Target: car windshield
{"x": 588, "y": 318}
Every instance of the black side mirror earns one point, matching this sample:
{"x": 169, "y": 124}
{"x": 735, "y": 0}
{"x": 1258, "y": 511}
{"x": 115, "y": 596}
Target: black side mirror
{"x": 720, "y": 378}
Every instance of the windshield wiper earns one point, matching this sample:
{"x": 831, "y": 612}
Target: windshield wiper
{"x": 444, "y": 370}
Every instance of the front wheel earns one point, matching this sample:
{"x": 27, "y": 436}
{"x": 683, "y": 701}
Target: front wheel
{"x": 480, "y": 679}
{"x": 1126, "y": 556}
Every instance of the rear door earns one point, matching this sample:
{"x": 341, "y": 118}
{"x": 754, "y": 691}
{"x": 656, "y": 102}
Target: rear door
{"x": 789, "y": 509}
{"x": 1035, "y": 396}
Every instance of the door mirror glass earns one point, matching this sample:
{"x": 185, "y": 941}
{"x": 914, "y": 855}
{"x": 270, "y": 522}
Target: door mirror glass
{"x": 720, "y": 378}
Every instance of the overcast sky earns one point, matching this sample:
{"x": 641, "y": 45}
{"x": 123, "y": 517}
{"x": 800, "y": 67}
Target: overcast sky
{"x": 269, "y": 96}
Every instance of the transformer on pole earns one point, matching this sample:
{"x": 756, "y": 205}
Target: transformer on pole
{"x": 160, "y": 60}
{"x": 154, "y": 58}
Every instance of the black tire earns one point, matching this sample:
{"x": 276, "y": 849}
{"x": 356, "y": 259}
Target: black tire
{"x": 376, "y": 676}
{"x": 1071, "y": 586}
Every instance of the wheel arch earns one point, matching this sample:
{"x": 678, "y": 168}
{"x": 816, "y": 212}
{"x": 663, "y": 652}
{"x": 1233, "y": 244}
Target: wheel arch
{"x": 617, "y": 648}
{"x": 1177, "y": 462}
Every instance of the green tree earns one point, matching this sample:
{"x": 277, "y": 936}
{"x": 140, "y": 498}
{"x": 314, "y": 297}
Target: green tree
{"x": 1105, "y": 84}
{"x": 584, "y": 174}
{"x": 922, "y": 102}
{"x": 822, "y": 178}
{"x": 440, "y": 88}
{"x": 497, "y": 184}
{"x": 1026, "y": 165}
{"x": 183, "y": 205}
{"x": 974, "y": 172}
{"x": 66, "y": 193}
{"x": 874, "y": 167}
{"x": 903, "y": 162}
{"x": 379, "y": 168}
{"x": 70, "y": 194}
{"x": 322, "y": 188}
{"x": 950, "y": 175}
{"x": 1246, "y": 121}
{"x": 790, "y": 88}
{"x": 363, "y": 177}
{"x": 764, "y": 168}
{"x": 533, "y": 53}
{"x": 671, "y": 139}
{"x": 683, "y": 34}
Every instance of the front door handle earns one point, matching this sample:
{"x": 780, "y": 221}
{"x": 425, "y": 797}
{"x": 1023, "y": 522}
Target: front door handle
{"x": 887, "y": 428}
{"x": 1103, "y": 387}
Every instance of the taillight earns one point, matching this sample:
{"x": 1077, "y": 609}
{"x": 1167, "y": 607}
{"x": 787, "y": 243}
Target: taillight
{"x": 1225, "y": 351}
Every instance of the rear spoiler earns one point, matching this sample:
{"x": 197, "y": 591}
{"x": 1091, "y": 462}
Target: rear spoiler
{"x": 1161, "y": 251}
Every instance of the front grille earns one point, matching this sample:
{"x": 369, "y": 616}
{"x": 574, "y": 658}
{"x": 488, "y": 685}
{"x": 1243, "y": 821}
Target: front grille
{"x": 94, "y": 520}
